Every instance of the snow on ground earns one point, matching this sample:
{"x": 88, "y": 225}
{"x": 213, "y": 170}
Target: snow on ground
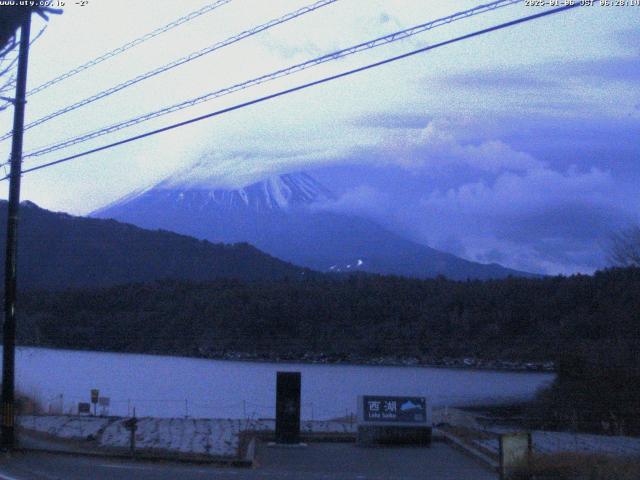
{"x": 557, "y": 442}
{"x": 312, "y": 426}
{"x": 203, "y": 436}
{"x": 184, "y": 435}
{"x": 455, "y": 416}
{"x": 221, "y": 437}
{"x": 67, "y": 427}
{"x": 544, "y": 442}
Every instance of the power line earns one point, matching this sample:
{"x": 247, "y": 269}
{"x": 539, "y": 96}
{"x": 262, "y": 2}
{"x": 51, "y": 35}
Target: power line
{"x": 126, "y": 46}
{"x": 176, "y": 63}
{"x": 305, "y": 86}
{"x": 133, "y": 43}
{"x": 393, "y": 37}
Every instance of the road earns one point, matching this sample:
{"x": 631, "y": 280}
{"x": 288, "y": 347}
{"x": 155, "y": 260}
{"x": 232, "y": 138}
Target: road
{"x": 317, "y": 462}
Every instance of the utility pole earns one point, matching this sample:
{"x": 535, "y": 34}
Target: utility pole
{"x": 9, "y": 327}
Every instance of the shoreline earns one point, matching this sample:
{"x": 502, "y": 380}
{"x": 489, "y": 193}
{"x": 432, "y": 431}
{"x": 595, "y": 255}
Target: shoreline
{"x": 451, "y": 363}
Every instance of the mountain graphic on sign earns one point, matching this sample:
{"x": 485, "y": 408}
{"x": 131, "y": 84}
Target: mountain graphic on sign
{"x": 409, "y": 405}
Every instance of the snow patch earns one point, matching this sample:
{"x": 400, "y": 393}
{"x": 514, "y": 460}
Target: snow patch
{"x": 557, "y": 442}
{"x": 204, "y": 436}
{"x": 63, "y": 426}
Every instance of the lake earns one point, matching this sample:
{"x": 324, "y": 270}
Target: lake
{"x": 166, "y": 386}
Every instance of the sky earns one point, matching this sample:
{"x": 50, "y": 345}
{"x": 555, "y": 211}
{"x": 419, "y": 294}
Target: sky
{"x": 518, "y": 147}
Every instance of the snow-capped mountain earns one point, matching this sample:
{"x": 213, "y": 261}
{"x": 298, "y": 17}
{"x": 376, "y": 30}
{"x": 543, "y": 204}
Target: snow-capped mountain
{"x": 275, "y": 193}
{"x": 280, "y": 216}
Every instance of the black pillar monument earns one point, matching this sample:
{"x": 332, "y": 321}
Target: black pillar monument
{"x": 288, "y": 407}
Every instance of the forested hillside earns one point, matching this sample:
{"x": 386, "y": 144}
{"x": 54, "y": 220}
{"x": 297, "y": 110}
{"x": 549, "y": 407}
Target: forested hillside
{"x": 355, "y": 318}
{"x": 58, "y": 251}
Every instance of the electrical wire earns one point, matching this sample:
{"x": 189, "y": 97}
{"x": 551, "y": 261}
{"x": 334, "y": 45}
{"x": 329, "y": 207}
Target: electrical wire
{"x": 133, "y": 43}
{"x": 386, "y": 39}
{"x": 306, "y": 85}
{"x": 176, "y": 63}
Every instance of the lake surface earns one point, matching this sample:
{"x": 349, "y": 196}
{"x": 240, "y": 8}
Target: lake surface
{"x": 176, "y": 386}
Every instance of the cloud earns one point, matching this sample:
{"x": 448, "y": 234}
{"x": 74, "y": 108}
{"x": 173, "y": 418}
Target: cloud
{"x": 236, "y": 169}
{"x": 361, "y": 200}
{"x": 541, "y": 219}
{"x": 628, "y": 38}
{"x": 460, "y": 185}
{"x": 548, "y": 75}
{"x": 391, "y": 120}
{"x": 626, "y": 69}
{"x": 589, "y": 87}
{"x": 438, "y": 146}
{"x": 497, "y": 79}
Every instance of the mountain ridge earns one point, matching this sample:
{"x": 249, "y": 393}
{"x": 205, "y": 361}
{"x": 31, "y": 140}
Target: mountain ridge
{"x": 286, "y": 216}
{"x": 59, "y": 251}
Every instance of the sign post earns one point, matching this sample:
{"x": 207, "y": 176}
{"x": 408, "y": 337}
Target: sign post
{"x": 132, "y": 425}
{"x": 393, "y": 420}
{"x": 104, "y": 403}
{"x": 95, "y": 394}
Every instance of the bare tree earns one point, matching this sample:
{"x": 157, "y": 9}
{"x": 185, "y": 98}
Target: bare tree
{"x": 624, "y": 250}
{"x": 11, "y": 17}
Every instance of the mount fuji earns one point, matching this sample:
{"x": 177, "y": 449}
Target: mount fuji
{"x": 284, "y": 216}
